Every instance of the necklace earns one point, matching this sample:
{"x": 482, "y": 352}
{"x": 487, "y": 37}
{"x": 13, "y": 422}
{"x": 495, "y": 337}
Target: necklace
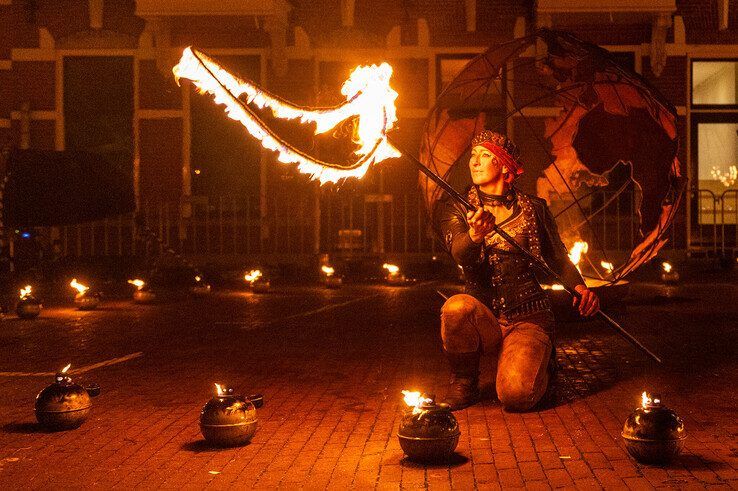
{"x": 507, "y": 200}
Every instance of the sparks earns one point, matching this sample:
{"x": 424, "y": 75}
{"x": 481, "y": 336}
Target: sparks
{"x": 369, "y": 97}
{"x": 81, "y": 289}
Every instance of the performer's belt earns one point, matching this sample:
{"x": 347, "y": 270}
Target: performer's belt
{"x": 529, "y": 307}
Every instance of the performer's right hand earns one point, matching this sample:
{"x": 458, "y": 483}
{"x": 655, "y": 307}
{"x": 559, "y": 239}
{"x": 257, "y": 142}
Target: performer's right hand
{"x": 481, "y": 223}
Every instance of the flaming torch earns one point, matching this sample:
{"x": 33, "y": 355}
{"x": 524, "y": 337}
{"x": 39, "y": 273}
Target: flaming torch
{"x": 653, "y": 433}
{"x": 64, "y": 405}
{"x": 332, "y": 280}
{"x": 228, "y": 420}
{"x": 28, "y": 307}
{"x": 256, "y": 280}
{"x": 428, "y": 431}
{"x": 577, "y": 251}
{"x": 83, "y": 298}
{"x": 668, "y": 274}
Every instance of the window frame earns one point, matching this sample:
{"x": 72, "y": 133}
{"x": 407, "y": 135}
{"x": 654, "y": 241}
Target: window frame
{"x": 727, "y": 107}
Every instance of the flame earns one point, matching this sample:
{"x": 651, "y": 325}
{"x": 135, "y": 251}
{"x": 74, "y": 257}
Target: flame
{"x": 666, "y": 267}
{"x": 64, "y": 370}
{"x": 415, "y": 400}
{"x": 252, "y": 276}
{"x": 198, "y": 278}
{"x": 219, "y": 388}
{"x": 368, "y": 96}
{"x": 645, "y": 400}
{"x": 555, "y": 286}
{"x": 577, "y": 251}
{"x": 327, "y": 270}
{"x": 25, "y": 292}
{"x": 391, "y": 268}
{"x": 137, "y": 283}
{"x": 81, "y": 289}
{"x": 608, "y": 266}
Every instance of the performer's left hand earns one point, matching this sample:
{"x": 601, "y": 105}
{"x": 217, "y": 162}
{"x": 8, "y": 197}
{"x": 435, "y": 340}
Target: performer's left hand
{"x": 589, "y": 304}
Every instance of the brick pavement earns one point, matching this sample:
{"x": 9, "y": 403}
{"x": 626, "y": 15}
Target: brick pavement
{"x": 332, "y": 382}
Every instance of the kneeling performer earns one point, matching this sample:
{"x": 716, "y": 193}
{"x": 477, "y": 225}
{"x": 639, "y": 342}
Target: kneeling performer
{"x": 504, "y": 309}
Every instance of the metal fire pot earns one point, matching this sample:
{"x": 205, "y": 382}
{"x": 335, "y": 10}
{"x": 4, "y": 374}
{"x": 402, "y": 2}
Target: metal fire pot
{"x": 87, "y": 301}
{"x": 28, "y": 307}
{"x": 261, "y": 285}
{"x": 653, "y": 433}
{"x": 429, "y": 433}
{"x": 228, "y": 420}
{"x": 64, "y": 405}
{"x": 670, "y": 277}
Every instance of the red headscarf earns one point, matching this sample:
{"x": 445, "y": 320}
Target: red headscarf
{"x": 504, "y": 149}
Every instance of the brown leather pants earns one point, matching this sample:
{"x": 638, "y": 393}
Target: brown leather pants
{"x": 523, "y": 346}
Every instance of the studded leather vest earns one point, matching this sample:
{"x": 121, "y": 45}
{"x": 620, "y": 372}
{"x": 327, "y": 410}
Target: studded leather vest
{"x": 511, "y": 275}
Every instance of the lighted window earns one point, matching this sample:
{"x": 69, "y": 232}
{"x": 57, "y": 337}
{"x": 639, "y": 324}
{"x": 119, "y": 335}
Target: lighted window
{"x": 718, "y": 170}
{"x": 714, "y": 83}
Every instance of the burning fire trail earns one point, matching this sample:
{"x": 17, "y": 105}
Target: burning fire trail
{"x": 81, "y": 289}
{"x": 369, "y": 97}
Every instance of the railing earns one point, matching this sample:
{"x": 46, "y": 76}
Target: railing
{"x": 349, "y": 224}
{"x": 715, "y": 222}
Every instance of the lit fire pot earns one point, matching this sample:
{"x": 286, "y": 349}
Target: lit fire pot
{"x": 28, "y": 307}
{"x": 332, "y": 280}
{"x": 257, "y": 281}
{"x": 64, "y": 405}
{"x": 668, "y": 274}
{"x": 653, "y": 433}
{"x": 200, "y": 288}
{"x": 428, "y": 431}
{"x": 143, "y": 293}
{"x": 228, "y": 420}
{"x": 84, "y": 299}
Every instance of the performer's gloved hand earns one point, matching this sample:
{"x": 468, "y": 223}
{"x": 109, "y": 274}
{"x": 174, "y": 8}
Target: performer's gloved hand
{"x": 481, "y": 223}
{"x": 590, "y": 304}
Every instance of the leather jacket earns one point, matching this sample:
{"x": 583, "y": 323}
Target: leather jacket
{"x": 495, "y": 273}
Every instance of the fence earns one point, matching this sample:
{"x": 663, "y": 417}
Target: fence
{"x": 356, "y": 224}
{"x": 714, "y": 228}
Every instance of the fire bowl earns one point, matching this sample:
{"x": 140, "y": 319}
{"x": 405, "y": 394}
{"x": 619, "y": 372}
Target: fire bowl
{"x": 144, "y": 296}
{"x": 88, "y": 301}
{"x": 28, "y": 308}
{"x": 670, "y": 277}
{"x": 63, "y": 405}
{"x": 261, "y": 286}
{"x": 429, "y": 433}
{"x": 654, "y": 434}
{"x": 227, "y": 420}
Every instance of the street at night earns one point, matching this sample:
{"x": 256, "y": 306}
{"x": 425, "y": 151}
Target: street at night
{"x": 331, "y": 364}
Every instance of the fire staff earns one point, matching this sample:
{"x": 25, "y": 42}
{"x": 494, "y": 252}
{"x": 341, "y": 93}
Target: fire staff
{"x": 504, "y": 310}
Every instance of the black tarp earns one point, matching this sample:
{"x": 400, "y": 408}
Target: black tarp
{"x": 58, "y": 188}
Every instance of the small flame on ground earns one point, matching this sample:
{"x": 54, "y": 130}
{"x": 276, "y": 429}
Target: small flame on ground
{"x": 198, "y": 278}
{"x": 252, "y": 276}
{"x": 219, "y": 388}
{"x": 25, "y": 292}
{"x": 327, "y": 270}
{"x": 414, "y": 399}
{"x": 577, "y": 251}
{"x": 81, "y": 289}
{"x": 608, "y": 266}
{"x": 391, "y": 268}
{"x": 137, "y": 283}
{"x": 645, "y": 400}
{"x": 666, "y": 267}
{"x": 64, "y": 370}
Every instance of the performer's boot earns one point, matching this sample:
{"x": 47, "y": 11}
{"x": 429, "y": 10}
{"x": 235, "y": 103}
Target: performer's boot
{"x": 463, "y": 390}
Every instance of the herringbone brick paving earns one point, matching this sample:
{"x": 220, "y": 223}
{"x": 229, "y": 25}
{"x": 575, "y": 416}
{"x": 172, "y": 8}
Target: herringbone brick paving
{"x": 332, "y": 378}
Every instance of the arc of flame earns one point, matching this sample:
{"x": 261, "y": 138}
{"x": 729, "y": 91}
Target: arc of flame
{"x": 137, "y": 283}
{"x": 368, "y": 97}
{"x": 81, "y": 289}
{"x": 666, "y": 267}
{"x": 64, "y": 370}
{"x": 25, "y": 292}
{"x": 327, "y": 270}
{"x": 391, "y": 268}
{"x": 252, "y": 275}
{"x": 577, "y": 251}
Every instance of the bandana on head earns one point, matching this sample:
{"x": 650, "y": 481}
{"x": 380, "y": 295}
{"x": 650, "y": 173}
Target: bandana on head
{"x": 504, "y": 149}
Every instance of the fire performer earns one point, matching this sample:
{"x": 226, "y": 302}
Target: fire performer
{"x": 504, "y": 309}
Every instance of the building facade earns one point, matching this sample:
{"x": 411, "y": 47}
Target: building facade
{"x": 96, "y": 75}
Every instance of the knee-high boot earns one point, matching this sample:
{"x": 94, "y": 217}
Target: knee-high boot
{"x": 463, "y": 390}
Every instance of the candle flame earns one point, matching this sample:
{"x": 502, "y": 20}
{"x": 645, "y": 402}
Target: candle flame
{"x": 137, "y": 283}
{"x": 415, "y": 399}
{"x": 391, "y": 268}
{"x": 608, "y": 266}
{"x": 252, "y": 276}
{"x": 64, "y": 370}
{"x": 577, "y": 251}
{"x": 81, "y": 289}
{"x": 327, "y": 270}
{"x": 666, "y": 267}
{"x": 369, "y": 97}
{"x": 25, "y": 292}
